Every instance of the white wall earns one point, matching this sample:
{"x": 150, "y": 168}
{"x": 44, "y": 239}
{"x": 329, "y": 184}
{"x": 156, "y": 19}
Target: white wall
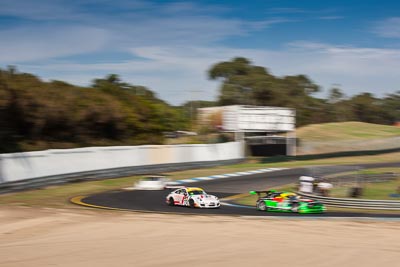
{"x": 19, "y": 166}
{"x": 258, "y": 118}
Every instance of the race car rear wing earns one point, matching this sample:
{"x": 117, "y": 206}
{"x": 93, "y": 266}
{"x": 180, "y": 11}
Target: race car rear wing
{"x": 258, "y": 193}
{"x": 173, "y": 187}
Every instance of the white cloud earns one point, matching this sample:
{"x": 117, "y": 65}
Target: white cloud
{"x": 88, "y": 33}
{"x": 346, "y": 60}
{"x": 389, "y": 28}
{"x": 175, "y": 71}
{"x": 36, "y": 10}
{"x": 67, "y": 10}
{"x": 183, "y": 7}
{"x": 182, "y": 30}
{"x": 171, "y": 72}
{"x": 173, "y": 47}
{"x": 286, "y": 10}
{"x": 331, "y": 17}
{"x": 357, "y": 69}
{"x": 41, "y": 43}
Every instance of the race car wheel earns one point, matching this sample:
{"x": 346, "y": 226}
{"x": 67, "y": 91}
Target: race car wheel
{"x": 191, "y": 203}
{"x": 171, "y": 201}
{"x": 261, "y": 206}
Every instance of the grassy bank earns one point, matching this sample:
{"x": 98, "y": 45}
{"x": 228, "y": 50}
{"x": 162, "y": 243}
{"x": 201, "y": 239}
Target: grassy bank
{"x": 345, "y": 131}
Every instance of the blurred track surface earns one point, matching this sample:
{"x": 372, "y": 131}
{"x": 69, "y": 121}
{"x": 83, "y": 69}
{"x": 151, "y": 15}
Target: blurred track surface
{"x": 154, "y": 201}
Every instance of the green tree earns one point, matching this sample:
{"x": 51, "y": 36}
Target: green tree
{"x": 391, "y": 106}
{"x": 40, "y": 115}
{"x": 246, "y": 84}
{"x": 367, "y": 108}
{"x": 335, "y": 95}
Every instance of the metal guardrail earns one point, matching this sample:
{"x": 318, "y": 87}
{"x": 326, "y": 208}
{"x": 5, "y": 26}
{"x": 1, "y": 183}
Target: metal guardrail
{"x": 363, "y": 178}
{"x": 356, "y": 203}
{"x": 40, "y": 182}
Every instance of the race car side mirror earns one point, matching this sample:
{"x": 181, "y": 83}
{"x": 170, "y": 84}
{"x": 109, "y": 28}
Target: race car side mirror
{"x": 253, "y": 193}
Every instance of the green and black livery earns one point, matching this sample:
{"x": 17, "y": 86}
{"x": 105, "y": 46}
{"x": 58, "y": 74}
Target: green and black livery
{"x": 272, "y": 200}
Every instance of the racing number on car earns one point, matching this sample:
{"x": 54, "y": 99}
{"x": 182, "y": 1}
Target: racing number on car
{"x": 184, "y": 200}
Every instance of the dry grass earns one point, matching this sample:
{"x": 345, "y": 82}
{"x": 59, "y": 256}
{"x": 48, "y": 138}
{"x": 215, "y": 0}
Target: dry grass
{"x": 346, "y": 131}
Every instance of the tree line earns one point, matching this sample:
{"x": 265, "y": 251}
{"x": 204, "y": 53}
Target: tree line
{"x": 246, "y": 84}
{"x": 37, "y": 115}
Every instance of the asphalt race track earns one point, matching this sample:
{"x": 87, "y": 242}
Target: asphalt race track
{"x": 154, "y": 201}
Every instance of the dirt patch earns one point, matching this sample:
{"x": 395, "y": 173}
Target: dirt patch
{"x": 45, "y": 237}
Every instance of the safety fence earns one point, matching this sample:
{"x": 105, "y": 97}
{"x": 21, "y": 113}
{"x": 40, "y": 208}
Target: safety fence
{"x": 356, "y": 203}
{"x": 362, "y": 178}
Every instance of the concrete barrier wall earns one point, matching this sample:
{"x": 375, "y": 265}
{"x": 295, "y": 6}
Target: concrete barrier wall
{"x": 20, "y": 166}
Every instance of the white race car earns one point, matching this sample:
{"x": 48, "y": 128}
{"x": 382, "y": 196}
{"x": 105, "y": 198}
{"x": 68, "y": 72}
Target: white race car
{"x": 193, "y": 197}
{"x": 152, "y": 183}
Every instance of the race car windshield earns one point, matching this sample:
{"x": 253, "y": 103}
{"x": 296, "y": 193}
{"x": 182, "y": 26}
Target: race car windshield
{"x": 197, "y": 192}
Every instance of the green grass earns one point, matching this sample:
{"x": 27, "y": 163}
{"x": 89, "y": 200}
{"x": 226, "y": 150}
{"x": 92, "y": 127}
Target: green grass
{"x": 381, "y": 190}
{"x": 360, "y": 157}
{"x": 58, "y": 196}
{"x": 346, "y": 131}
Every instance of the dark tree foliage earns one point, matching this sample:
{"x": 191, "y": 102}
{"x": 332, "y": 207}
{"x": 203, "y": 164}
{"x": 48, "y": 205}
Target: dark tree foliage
{"x": 40, "y": 115}
{"x": 391, "y": 107}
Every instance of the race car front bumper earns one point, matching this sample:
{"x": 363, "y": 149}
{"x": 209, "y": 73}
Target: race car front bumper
{"x": 209, "y": 205}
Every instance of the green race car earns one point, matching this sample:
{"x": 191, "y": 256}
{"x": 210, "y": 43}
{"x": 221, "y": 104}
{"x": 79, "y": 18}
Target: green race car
{"x": 286, "y": 202}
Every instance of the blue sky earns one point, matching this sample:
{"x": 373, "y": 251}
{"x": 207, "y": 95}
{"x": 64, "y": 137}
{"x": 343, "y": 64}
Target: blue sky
{"x": 168, "y": 46}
